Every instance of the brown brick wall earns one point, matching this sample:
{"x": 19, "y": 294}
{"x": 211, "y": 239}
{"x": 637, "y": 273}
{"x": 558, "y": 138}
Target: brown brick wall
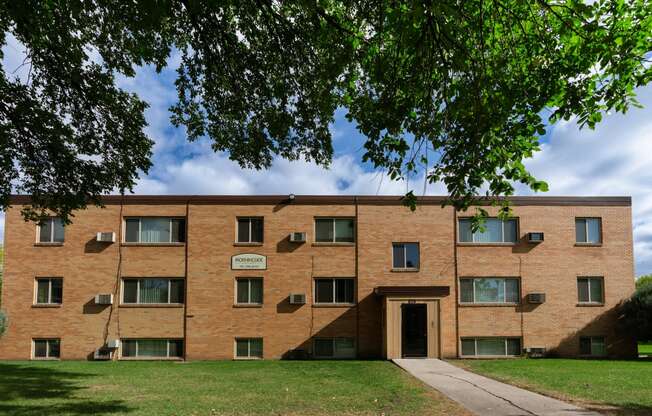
{"x": 212, "y": 323}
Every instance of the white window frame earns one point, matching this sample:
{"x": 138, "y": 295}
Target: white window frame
{"x": 248, "y": 218}
{"x": 334, "y": 302}
{"x": 138, "y": 357}
{"x": 475, "y": 346}
{"x": 140, "y": 230}
{"x": 47, "y": 349}
{"x": 51, "y": 240}
{"x": 139, "y": 279}
{"x": 502, "y": 232}
{"x": 405, "y": 267}
{"x": 586, "y": 229}
{"x": 333, "y": 340}
{"x": 589, "y": 279}
{"x": 504, "y": 302}
{"x": 248, "y": 356}
{"x": 49, "y": 279}
{"x": 591, "y": 342}
{"x": 249, "y": 302}
{"x": 333, "y": 220}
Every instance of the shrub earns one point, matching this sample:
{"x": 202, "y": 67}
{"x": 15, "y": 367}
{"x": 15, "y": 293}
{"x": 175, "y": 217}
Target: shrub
{"x": 637, "y": 314}
{"x": 3, "y": 323}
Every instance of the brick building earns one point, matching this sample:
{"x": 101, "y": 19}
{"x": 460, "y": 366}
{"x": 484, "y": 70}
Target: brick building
{"x": 220, "y": 277}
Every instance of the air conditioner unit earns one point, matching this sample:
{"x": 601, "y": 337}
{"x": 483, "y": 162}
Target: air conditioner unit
{"x": 104, "y": 299}
{"x": 534, "y": 237}
{"x": 297, "y": 299}
{"x": 102, "y": 354}
{"x": 535, "y": 352}
{"x": 106, "y": 237}
{"x": 113, "y": 344}
{"x": 536, "y": 297}
{"x": 298, "y": 237}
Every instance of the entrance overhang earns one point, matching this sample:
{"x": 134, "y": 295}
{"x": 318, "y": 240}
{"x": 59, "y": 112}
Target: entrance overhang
{"x": 413, "y": 291}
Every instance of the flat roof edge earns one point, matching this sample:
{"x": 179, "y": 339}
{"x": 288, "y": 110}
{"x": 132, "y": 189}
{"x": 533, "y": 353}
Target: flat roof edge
{"x": 341, "y": 200}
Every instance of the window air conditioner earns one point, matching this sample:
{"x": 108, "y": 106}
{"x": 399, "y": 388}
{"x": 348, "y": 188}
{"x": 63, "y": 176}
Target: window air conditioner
{"x": 102, "y": 354}
{"x": 297, "y": 299}
{"x": 106, "y": 237}
{"x": 535, "y": 352}
{"x": 534, "y": 237}
{"x": 298, "y": 237}
{"x": 536, "y": 297}
{"x": 113, "y": 344}
{"x": 104, "y": 299}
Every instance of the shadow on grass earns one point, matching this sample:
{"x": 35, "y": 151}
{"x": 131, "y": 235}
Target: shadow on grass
{"x": 24, "y": 388}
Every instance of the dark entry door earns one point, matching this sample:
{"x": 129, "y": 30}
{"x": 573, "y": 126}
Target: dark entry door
{"x": 414, "y": 336}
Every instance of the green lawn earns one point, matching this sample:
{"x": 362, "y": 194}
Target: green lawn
{"x": 215, "y": 388}
{"x": 645, "y": 348}
{"x": 613, "y": 387}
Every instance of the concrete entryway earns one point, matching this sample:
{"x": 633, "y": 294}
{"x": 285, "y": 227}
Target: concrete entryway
{"x": 484, "y": 396}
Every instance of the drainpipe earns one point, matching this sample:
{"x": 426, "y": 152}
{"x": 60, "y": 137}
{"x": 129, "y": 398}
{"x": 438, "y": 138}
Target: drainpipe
{"x": 185, "y": 285}
{"x": 357, "y": 283}
{"x": 457, "y": 311}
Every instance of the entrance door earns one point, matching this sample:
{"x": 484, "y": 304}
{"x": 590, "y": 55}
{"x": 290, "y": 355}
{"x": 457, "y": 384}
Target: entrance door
{"x": 414, "y": 318}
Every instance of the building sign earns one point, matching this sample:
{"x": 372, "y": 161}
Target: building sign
{"x": 248, "y": 262}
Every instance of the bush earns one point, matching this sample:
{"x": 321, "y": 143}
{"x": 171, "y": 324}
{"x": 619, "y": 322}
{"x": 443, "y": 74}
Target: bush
{"x": 3, "y": 323}
{"x": 637, "y": 314}
{"x": 644, "y": 281}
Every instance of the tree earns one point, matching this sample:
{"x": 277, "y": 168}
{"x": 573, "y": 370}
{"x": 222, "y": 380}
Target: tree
{"x": 457, "y": 90}
{"x": 637, "y": 314}
{"x": 644, "y": 281}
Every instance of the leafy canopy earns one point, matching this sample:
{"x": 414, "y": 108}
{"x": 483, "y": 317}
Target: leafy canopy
{"x": 457, "y": 90}
{"x": 644, "y": 281}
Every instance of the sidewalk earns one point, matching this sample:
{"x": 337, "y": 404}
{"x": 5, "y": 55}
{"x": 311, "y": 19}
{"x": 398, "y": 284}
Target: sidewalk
{"x": 484, "y": 396}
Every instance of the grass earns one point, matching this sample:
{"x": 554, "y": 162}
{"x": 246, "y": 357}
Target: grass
{"x": 610, "y": 386}
{"x": 215, "y": 388}
{"x": 645, "y": 348}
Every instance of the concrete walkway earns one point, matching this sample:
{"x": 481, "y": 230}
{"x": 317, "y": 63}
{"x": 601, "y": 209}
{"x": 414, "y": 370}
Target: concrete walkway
{"x": 484, "y": 396}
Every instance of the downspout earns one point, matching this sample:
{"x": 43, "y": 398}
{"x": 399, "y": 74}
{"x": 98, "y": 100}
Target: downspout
{"x": 457, "y": 311}
{"x": 185, "y": 286}
{"x": 357, "y": 282}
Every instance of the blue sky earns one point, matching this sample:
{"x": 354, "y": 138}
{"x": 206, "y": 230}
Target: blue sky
{"x": 614, "y": 159}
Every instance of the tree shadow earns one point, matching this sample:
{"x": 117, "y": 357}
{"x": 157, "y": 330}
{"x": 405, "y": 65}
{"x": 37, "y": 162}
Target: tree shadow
{"x": 24, "y": 387}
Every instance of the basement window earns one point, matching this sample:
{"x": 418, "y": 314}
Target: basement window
{"x": 249, "y": 348}
{"x": 593, "y": 346}
{"x": 152, "y": 348}
{"x": 491, "y": 347}
{"x": 46, "y": 348}
{"x": 334, "y": 348}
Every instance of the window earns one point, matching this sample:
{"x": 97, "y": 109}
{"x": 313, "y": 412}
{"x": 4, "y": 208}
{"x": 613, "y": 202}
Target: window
{"x": 146, "y": 291}
{"x": 334, "y": 348}
{"x": 405, "y": 255}
{"x": 155, "y": 230}
{"x": 589, "y": 290}
{"x": 47, "y": 348}
{"x": 588, "y": 230}
{"x": 250, "y": 230}
{"x": 249, "y": 291}
{"x": 478, "y": 347}
{"x": 50, "y": 230}
{"x": 489, "y": 290}
{"x": 249, "y": 348}
{"x": 334, "y": 230}
{"x": 49, "y": 291}
{"x": 334, "y": 290}
{"x": 495, "y": 231}
{"x": 594, "y": 346}
{"x": 152, "y": 348}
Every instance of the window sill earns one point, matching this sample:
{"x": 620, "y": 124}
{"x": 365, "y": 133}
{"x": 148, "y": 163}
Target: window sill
{"x": 248, "y": 305}
{"x": 150, "y": 359}
{"x": 590, "y": 304}
{"x": 46, "y": 305}
{"x": 45, "y": 359}
{"x": 247, "y": 358}
{"x": 236, "y": 244}
{"x": 487, "y": 357}
{"x": 485, "y": 244}
{"x": 488, "y": 304}
{"x": 333, "y": 244}
{"x": 48, "y": 244}
{"x": 152, "y": 244}
{"x": 333, "y": 305}
{"x": 588, "y": 244}
{"x": 404, "y": 270}
{"x": 151, "y": 305}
